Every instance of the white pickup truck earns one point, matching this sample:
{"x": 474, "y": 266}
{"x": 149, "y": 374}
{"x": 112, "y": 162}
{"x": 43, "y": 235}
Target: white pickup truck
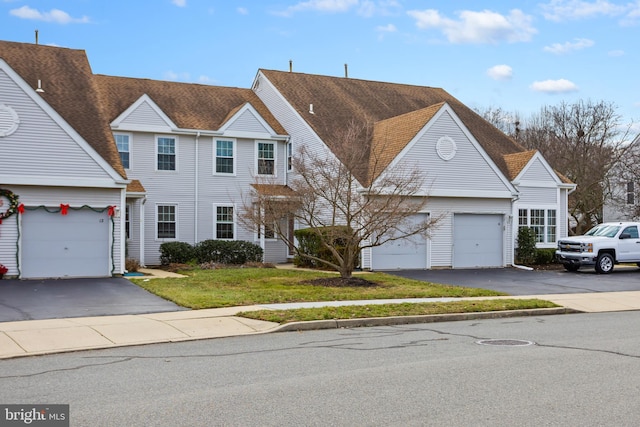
{"x": 603, "y": 246}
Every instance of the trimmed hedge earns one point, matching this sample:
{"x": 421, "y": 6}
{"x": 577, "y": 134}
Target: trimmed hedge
{"x": 546, "y": 256}
{"x": 176, "y": 253}
{"x": 227, "y": 252}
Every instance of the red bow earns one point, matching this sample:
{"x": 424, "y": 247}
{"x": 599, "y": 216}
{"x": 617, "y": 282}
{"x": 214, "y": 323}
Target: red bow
{"x": 21, "y": 208}
{"x": 111, "y": 211}
{"x": 64, "y": 209}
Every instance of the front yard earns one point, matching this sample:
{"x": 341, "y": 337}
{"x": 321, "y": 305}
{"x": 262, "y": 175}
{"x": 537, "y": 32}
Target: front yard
{"x": 249, "y": 286}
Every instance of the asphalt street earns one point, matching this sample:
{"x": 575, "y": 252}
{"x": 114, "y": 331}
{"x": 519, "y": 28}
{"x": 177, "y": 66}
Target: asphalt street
{"x": 579, "y": 369}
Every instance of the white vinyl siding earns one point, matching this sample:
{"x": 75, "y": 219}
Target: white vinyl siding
{"x": 537, "y": 172}
{"x": 248, "y": 122}
{"x": 145, "y": 114}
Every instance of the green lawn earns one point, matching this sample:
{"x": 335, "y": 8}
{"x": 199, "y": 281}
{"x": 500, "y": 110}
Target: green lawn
{"x": 247, "y": 286}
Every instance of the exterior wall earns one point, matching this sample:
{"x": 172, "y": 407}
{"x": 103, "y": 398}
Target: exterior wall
{"x": 52, "y": 197}
{"x": 40, "y": 147}
{"x": 144, "y": 114}
{"x": 195, "y": 188}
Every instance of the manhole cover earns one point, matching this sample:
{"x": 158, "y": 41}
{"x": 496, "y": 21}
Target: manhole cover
{"x": 510, "y": 343}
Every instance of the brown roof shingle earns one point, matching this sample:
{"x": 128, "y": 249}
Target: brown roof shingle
{"x": 337, "y": 101}
{"x": 69, "y": 89}
{"x": 188, "y": 105}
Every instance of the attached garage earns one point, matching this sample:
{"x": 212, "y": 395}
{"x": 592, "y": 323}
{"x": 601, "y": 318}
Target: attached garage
{"x": 72, "y": 245}
{"x": 407, "y": 253}
{"x": 478, "y": 240}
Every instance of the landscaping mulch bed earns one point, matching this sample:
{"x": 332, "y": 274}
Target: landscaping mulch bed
{"x": 340, "y": 282}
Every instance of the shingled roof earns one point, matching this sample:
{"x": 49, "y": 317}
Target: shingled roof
{"x": 338, "y": 101}
{"x": 69, "y": 88}
{"x": 188, "y": 105}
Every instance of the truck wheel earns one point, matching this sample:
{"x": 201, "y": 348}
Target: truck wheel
{"x": 569, "y": 266}
{"x": 604, "y": 264}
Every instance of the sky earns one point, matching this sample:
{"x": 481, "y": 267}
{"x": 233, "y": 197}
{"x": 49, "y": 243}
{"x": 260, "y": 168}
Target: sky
{"x": 515, "y": 55}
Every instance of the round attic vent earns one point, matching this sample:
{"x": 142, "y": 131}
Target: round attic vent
{"x": 446, "y": 148}
{"x": 9, "y": 120}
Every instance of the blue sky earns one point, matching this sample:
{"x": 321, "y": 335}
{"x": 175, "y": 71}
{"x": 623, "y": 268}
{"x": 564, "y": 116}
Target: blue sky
{"x": 517, "y": 55}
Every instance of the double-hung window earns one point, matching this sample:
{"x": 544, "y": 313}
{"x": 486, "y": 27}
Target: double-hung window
{"x": 224, "y": 156}
{"x": 289, "y": 156}
{"x": 266, "y": 158}
{"x": 166, "y": 153}
{"x": 542, "y": 221}
{"x": 631, "y": 193}
{"x": 122, "y": 142}
{"x": 224, "y": 222}
{"x": 166, "y": 221}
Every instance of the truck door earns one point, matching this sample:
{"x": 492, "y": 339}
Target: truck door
{"x": 629, "y": 245}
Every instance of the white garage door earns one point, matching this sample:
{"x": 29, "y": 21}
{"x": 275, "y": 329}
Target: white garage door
{"x": 407, "y": 253}
{"x": 72, "y": 245}
{"x": 477, "y": 240}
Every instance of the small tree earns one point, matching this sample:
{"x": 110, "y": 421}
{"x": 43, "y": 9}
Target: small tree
{"x": 349, "y": 197}
{"x": 526, "y": 245}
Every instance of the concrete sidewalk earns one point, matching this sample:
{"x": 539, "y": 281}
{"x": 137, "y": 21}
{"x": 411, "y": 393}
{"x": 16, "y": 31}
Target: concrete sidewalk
{"x": 37, "y": 337}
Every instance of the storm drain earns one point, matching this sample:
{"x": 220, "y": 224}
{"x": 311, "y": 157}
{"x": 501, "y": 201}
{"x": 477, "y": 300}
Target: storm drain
{"x": 509, "y": 343}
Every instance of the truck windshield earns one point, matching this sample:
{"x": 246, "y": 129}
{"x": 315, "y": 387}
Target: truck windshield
{"x": 603, "y": 230}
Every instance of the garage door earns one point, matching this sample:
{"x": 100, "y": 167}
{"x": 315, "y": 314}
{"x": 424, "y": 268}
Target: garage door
{"x": 477, "y": 240}
{"x": 407, "y": 253}
{"x": 72, "y": 245}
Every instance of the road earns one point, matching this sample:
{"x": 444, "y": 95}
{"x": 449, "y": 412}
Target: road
{"x": 584, "y": 369}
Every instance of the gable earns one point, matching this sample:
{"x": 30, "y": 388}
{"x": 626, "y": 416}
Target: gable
{"x": 246, "y": 121}
{"x": 454, "y": 163}
{"x": 537, "y": 171}
{"x": 143, "y": 115}
{"x": 42, "y": 149}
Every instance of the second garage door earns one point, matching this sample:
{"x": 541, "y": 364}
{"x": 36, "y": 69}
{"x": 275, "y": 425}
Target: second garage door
{"x": 478, "y": 240}
{"x": 407, "y": 253}
{"x": 73, "y": 245}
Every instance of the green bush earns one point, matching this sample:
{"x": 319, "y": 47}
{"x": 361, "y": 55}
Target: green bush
{"x": 309, "y": 242}
{"x": 526, "y": 252}
{"x": 176, "y": 253}
{"x": 227, "y": 252}
{"x": 545, "y": 256}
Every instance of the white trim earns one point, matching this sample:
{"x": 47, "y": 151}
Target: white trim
{"x": 130, "y": 142}
{"x": 117, "y": 123}
{"x": 275, "y": 158}
{"x": 234, "y": 147}
{"x": 55, "y": 181}
{"x": 215, "y": 220}
{"x": 155, "y": 215}
{"x": 60, "y": 121}
{"x": 175, "y": 153}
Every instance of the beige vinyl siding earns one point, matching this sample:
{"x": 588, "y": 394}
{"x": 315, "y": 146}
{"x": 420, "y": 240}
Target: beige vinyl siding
{"x": 40, "y": 147}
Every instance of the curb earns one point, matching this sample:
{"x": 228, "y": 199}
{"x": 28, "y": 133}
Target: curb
{"x": 406, "y": 320}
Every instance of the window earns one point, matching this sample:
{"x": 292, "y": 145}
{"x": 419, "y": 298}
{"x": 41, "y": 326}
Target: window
{"x": 224, "y": 156}
{"x": 266, "y": 158}
{"x": 166, "y": 154}
{"x": 289, "y": 156}
{"x": 632, "y": 231}
{"x": 122, "y": 142}
{"x": 631, "y": 194}
{"x": 166, "y": 221}
{"x": 542, "y": 221}
{"x": 127, "y": 220}
{"x": 224, "y": 222}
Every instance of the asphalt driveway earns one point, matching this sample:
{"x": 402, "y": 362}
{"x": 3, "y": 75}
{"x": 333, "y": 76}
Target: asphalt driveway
{"x": 64, "y": 298}
{"x": 516, "y": 281}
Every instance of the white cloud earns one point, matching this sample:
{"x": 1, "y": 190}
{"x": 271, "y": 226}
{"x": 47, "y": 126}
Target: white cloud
{"x": 615, "y": 53}
{"x": 562, "y": 48}
{"x": 370, "y": 8}
{"x": 554, "y": 86}
{"x": 561, "y": 10}
{"x": 179, "y": 3}
{"x": 327, "y": 6}
{"x": 174, "y": 77}
{"x": 55, "y": 15}
{"x": 389, "y": 28}
{"x": 243, "y": 11}
{"x": 500, "y": 72}
{"x": 478, "y": 27}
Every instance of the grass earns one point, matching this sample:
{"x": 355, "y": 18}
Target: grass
{"x": 234, "y": 287}
{"x": 388, "y": 310}
{"x": 247, "y": 286}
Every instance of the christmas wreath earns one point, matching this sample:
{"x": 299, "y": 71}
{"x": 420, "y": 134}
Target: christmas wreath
{"x": 13, "y": 204}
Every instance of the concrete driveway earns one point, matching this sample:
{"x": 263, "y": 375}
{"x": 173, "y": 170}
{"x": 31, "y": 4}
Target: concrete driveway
{"x": 64, "y": 298}
{"x": 523, "y": 282}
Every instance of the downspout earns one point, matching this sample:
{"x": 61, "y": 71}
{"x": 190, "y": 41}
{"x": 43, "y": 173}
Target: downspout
{"x": 142, "y": 233}
{"x": 196, "y": 191}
